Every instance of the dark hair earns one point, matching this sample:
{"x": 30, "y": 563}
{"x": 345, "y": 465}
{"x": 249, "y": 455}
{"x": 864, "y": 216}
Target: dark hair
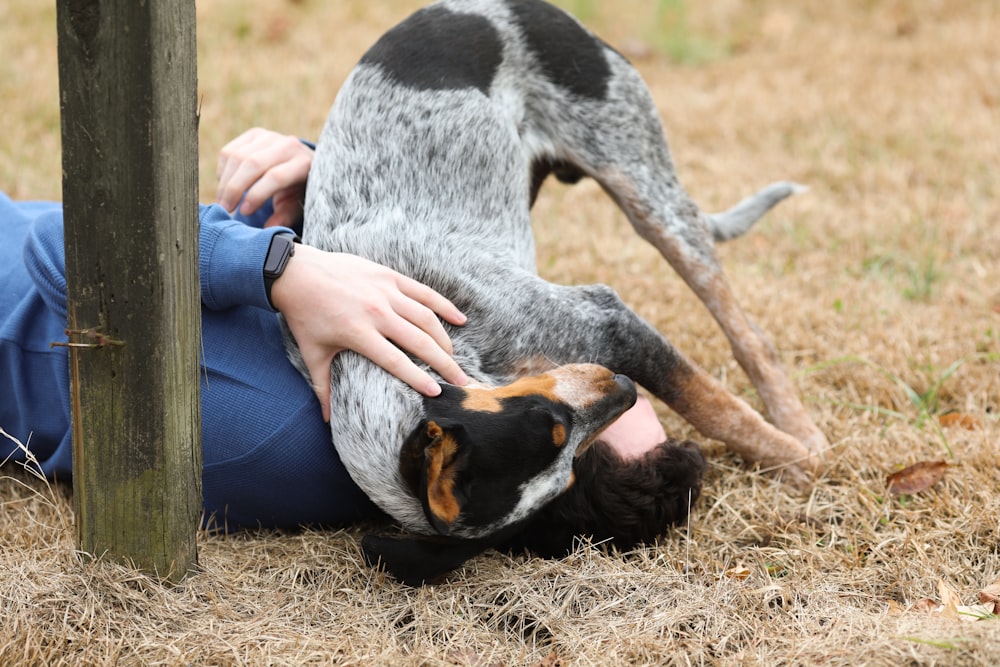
{"x": 621, "y": 502}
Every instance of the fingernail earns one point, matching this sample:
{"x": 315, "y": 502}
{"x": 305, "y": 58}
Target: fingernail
{"x": 461, "y": 379}
{"x": 432, "y": 389}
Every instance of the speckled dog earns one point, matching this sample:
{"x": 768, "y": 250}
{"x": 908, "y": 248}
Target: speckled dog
{"x": 429, "y": 163}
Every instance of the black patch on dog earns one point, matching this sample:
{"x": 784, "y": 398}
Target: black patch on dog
{"x": 569, "y": 56}
{"x": 616, "y": 502}
{"x": 436, "y": 49}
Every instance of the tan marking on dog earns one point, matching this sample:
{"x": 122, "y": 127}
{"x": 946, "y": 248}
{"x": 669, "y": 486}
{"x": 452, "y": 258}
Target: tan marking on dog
{"x": 532, "y": 366}
{"x": 440, "y": 478}
{"x": 488, "y": 400}
{"x": 718, "y": 414}
{"x": 580, "y": 385}
{"x": 559, "y": 435}
{"x": 756, "y": 355}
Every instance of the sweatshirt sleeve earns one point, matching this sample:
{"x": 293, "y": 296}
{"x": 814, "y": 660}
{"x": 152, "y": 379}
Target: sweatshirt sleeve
{"x": 45, "y": 260}
{"x": 231, "y": 260}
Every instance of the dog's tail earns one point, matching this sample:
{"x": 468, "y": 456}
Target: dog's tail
{"x": 737, "y": 220}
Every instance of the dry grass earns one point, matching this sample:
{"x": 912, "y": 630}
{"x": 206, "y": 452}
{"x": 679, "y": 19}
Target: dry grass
{"x": 875, "y": 286}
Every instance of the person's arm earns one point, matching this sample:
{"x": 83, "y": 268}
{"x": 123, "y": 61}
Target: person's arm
{"x": 231, "y": 260}
{"x": 331, "y": 302}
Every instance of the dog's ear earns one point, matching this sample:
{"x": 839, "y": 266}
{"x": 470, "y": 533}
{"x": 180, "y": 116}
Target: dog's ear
{"x": 441, "y": 502}
{"x": 427, "y": 463}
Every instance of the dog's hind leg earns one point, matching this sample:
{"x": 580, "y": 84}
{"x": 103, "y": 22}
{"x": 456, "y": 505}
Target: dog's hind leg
{"x": 629, "y": 157}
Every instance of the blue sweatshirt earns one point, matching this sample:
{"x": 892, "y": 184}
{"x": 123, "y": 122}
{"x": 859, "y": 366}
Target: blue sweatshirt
{"x": 268, "y": 457}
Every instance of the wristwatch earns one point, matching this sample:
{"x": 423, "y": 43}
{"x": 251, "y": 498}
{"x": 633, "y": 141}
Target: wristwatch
{"x": 278, "y": 253}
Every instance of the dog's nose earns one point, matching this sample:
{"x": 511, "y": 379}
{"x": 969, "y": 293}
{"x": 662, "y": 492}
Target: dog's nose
{"x": 625, "y": 382}
{"x": 627, "y": 388}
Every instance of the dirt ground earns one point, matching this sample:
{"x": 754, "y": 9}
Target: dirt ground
{"x": 880, "y": 288}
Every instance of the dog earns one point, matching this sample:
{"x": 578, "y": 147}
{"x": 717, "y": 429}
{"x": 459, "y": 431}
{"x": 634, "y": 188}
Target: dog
{"x": 430, "y": 160}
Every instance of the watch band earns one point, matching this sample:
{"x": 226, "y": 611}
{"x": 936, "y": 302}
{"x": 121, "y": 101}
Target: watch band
{"x": 278, "y": 253}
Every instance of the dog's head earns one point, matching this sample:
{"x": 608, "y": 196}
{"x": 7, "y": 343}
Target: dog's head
{"x": 483, "y": 459}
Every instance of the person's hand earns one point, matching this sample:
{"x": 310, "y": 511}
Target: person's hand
{"x": 334, "y": 302}
{"x": 262, "y": 164}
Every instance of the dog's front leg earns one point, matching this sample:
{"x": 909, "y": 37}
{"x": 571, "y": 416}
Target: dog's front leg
{"x": 594, "y": 325}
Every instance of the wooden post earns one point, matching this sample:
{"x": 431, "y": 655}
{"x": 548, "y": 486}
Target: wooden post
{"x": 127, "y": 83}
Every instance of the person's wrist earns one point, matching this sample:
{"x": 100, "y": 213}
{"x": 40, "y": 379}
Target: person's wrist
{"x": 279, "y": 255}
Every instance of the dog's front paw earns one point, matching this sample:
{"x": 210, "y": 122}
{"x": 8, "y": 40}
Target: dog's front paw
{"x": 798, "y": 424}
{"x": 815, "y": 441}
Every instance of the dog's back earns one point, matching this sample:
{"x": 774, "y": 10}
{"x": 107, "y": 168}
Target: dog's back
{"x": 483, "y": 98}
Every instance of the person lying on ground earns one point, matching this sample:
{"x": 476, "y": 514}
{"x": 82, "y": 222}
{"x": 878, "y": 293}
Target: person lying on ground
{"x": 267, "y": 452}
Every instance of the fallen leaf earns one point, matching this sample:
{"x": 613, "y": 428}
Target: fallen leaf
{"x": 551, "y": 660}
{"x": 894, "y": 607}
{"x": 951, "y": 605}
{"x": 975, "y": 612}
{"x": 991, "y": 595}
{"x": 739, "y": 572}
{"x": 926, "y": 605}
{"x": 917, "y": 477}
{"x": 950, "y": 600}
{"x": 960, "y": 419}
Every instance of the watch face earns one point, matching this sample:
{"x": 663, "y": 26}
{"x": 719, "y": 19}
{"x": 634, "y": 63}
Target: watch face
{"x": 282, "y": 247}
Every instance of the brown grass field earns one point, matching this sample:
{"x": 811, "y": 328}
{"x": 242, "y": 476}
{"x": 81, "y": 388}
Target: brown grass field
{"x": 880, "y": 288}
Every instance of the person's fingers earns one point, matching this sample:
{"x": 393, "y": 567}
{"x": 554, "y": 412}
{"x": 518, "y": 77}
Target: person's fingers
{"x": 258, "y": 164}
{"x": 231, "y": 157}
{"x": 432, "y": 299}
{"x": 419, "y": 342}
{"x": 288, "y": 177}
{"x": 233, "y": 149}
{"x": 371, "y": 310}
{"x": 319, "y": 378}
{"x": 288, "y": 207}
{"x": 423, "y": 320}
{"x": 395, "y": 361}
{"x": 241, "y": 174}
